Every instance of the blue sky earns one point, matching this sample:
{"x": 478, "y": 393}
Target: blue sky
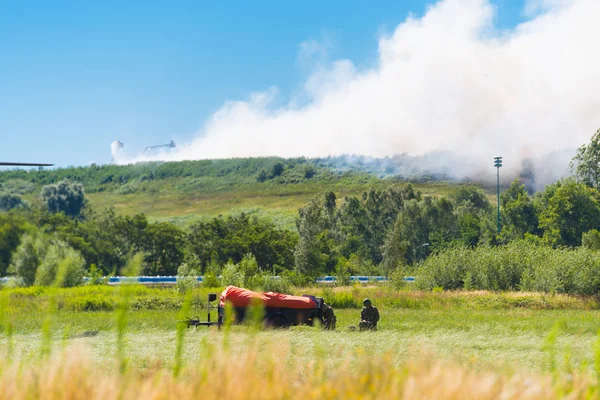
{"x": 76, "y": 75}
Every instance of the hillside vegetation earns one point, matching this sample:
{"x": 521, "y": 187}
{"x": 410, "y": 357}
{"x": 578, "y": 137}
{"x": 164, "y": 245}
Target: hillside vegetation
{"x": 187, "y": 191}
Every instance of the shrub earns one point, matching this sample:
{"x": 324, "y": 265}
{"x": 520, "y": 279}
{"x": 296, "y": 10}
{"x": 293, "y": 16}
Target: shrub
{"x": 396, "y": 278}
{"x": 296, "y": 279}
{"x": 9, "y": 201}
{"x": 269, "y": 283}
{"x": 516, "y": 266}
{"x": 210, "y": 280}
{"x": 27, "y": 257}
{"x": 62, "y": 266}
{"x": 96, "y": 277}
{"x": 591, "y": 239}
{"x": 232, "y": 275}
{"x": 187, "y": 278}
{"x": 341, "y": 300}
{"x": 342, "y": 273}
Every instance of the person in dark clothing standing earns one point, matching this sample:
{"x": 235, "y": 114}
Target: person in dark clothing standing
{"x": 368, "y": 316}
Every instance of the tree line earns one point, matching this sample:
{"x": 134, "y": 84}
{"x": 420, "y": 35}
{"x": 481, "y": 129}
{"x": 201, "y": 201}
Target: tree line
{"x": 370, "y": 234}
{"x": 379, "y": 232}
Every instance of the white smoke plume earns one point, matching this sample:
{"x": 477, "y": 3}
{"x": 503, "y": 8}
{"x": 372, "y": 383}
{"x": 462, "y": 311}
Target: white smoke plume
{"x": 115, "y": 151}
{"x": 448, "y": 81}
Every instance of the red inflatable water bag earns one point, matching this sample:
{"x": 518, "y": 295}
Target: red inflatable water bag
{"x": 239, "y": 297}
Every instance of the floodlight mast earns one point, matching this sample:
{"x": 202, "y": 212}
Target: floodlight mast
{"x": 498, "y": 164}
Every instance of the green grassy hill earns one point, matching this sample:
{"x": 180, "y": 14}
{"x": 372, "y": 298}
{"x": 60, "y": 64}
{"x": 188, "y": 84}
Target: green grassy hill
{"x": 280, "y": 203}
{"x": 187, "y": 191}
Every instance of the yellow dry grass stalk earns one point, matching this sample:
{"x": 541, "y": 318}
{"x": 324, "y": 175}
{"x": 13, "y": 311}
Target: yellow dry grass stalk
{"x": 253, "y": 371}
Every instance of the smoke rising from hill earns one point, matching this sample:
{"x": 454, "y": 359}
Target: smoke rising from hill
{"x": 448, "y": 81}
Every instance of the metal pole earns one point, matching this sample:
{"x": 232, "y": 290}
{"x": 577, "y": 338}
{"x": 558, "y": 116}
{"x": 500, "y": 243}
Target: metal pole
{"x": 498, "y": 195}
{"x": 498, "y": 164}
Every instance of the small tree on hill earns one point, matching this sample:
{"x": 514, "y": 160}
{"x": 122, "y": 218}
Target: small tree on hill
{"x": 262, "y": 176}
{"x": 277, "y": 169}
{"x": 65, "y": 197}
{"x": 8, "y": 201}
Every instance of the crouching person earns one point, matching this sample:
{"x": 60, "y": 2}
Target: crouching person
{"x": 368, "y": 317}
{"x": 329, "y": 318}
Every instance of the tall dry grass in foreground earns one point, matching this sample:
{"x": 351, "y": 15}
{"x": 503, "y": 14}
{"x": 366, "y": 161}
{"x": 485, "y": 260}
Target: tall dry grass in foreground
{"x": 259, "y": 370}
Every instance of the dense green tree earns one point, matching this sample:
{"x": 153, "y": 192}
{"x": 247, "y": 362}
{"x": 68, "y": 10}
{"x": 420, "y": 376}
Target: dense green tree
{"x": 473, "y": 198}
{"x": 12, "y": 227}
{"x": 414, "y": 229}
{"x": 164, "y": 249}
{"x": 28, "y": 256}
{"x": 277, "y": 169}
{"x": 473, "y": 211}
{"x": 101, "y": 238}
{"x": 132, "y": 232}
{"x": 519, "y": 215}
{"x": 222, "y": 239}
{"x": 572, "y": 210}
{"x": 309, "y": 171}
{"x": 65, "y": 197}
{"x": 586, "y": 163}
{"x": 262, "y": 176}
{"x": 441, "y": 222}
{"x": 9, "y": 201}
{"x": 312, "y": 253}
{"x": 364, "y": 224}
{"x": 394, "y": 250}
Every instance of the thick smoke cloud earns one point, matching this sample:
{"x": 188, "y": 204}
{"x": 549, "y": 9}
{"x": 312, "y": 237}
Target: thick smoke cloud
{"x": 448, "y": 81}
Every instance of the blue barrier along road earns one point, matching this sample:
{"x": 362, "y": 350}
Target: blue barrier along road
{"x": 172, "y": 280}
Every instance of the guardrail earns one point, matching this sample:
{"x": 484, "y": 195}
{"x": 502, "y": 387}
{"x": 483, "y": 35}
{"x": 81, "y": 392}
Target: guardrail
{"x": 172, "y": 280}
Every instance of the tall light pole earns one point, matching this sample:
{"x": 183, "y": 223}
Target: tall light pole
{"x": 498, "y": 164}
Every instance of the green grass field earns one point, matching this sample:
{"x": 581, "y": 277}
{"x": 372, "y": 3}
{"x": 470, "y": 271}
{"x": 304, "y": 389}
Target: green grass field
{"x": 487, "y": 331}
{"x": 492, "y": 339}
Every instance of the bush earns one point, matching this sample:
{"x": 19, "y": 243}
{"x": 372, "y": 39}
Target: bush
{"x": 62, "y": 266}
{"x": 9, "y": 201}
{"x": 187, "y": 278}
{"x": 296, "y": 279}
{"x": 342, "y": 273}
{"x": 96, "y": 277}
{"x": 591, "y": 239}
{"x": 27, "y": 257}
{"x": 269, "y": 283}
{"x": 232, "y": 275}
{"x": 341, "y": 300}
{"x": 396, "y": 278}
{"x": 517, "y": 266}
{"x": 210, "y": 280}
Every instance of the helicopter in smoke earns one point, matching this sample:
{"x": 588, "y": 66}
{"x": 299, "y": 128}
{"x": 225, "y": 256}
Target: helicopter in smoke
{"x": 171, "y": 144}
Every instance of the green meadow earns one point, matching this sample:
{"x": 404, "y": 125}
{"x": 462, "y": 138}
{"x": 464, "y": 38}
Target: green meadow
{"x": 485, "y": 330}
